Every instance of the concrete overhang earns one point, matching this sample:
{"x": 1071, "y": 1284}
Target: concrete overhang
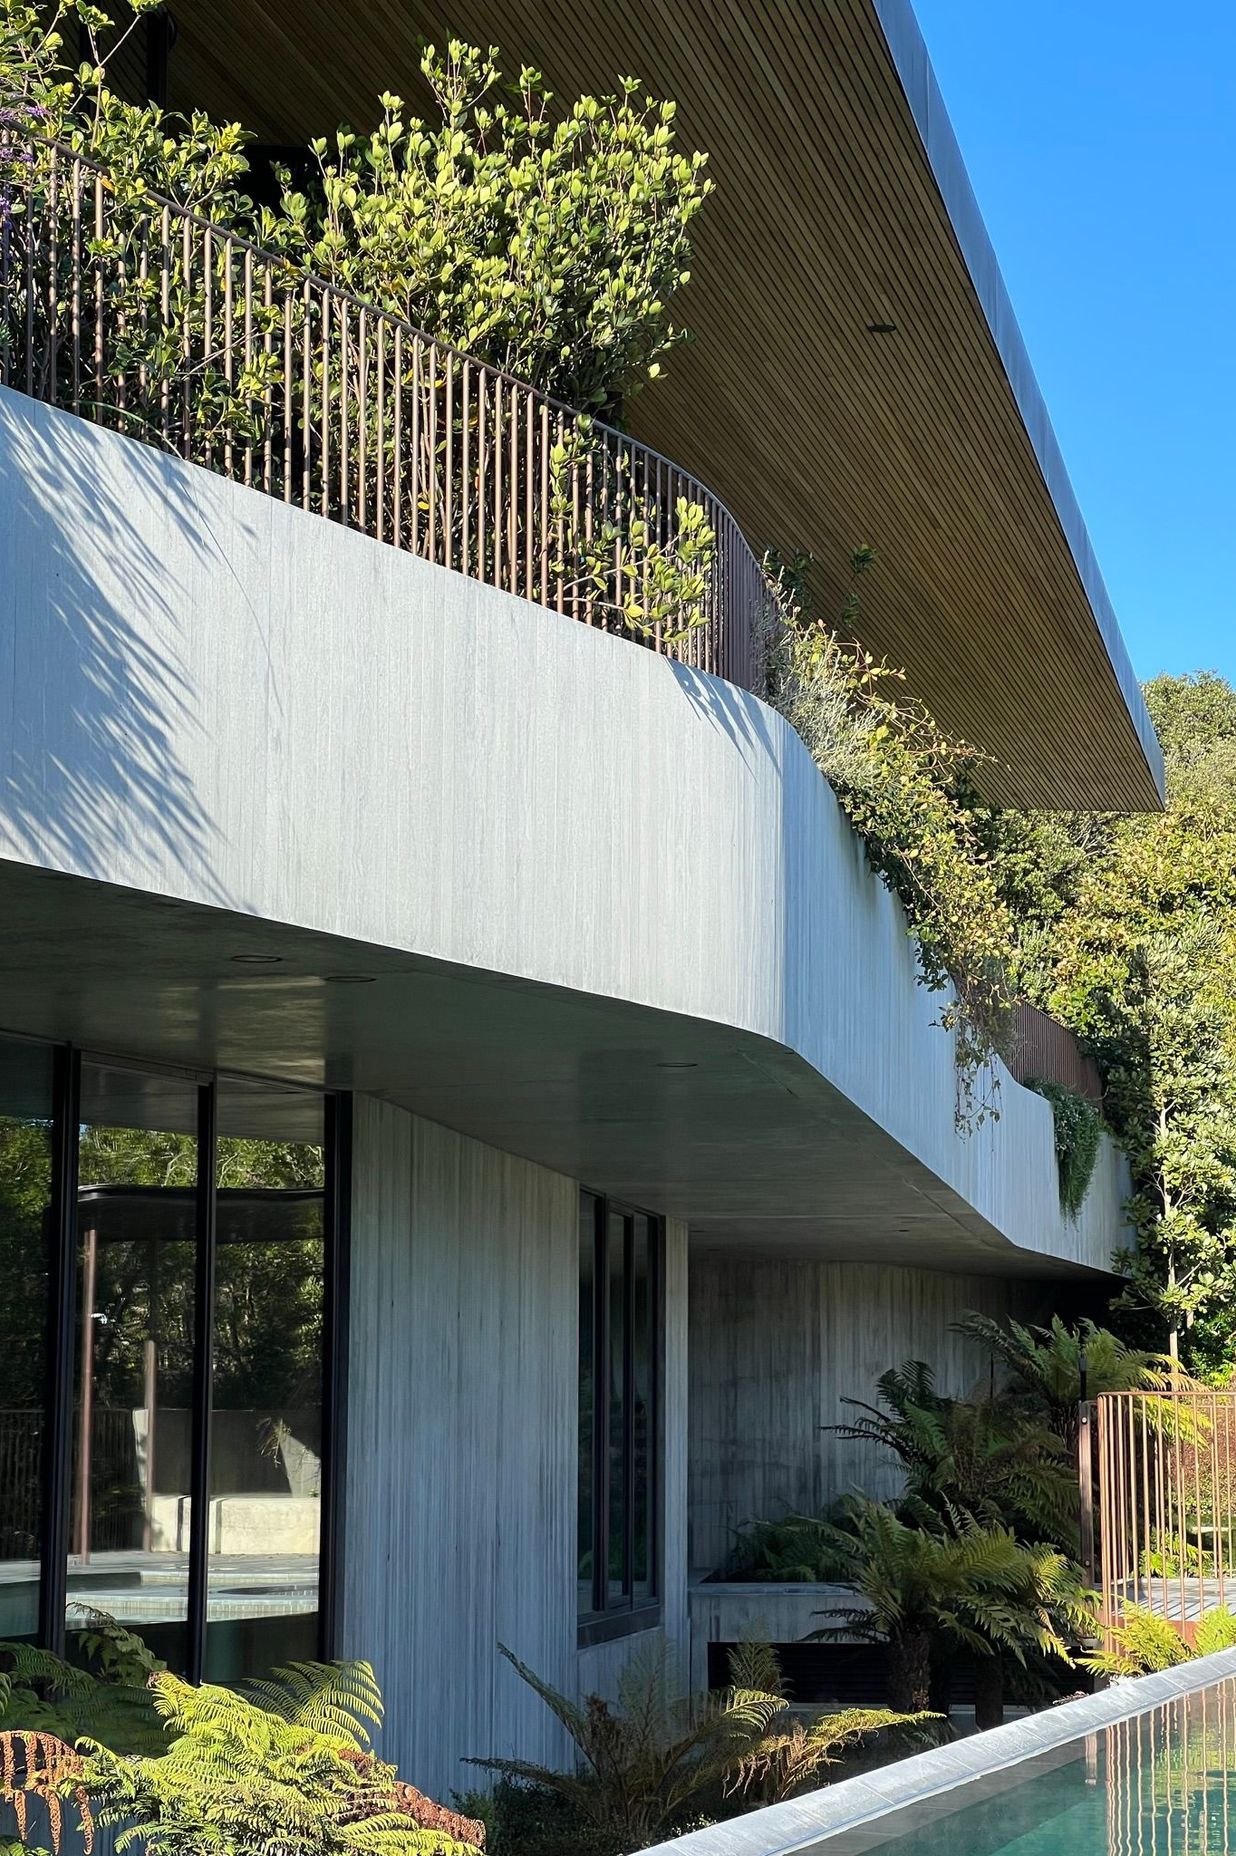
{"x": 842, "y": 207}
{"x": 511, "y": 873}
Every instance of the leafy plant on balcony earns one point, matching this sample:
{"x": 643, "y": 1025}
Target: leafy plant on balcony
{"x": 546, "y": 241}
{"x": 905, "y": 786}
{"x": 986, "y": 1458}
{"x": 1078, "y": 1130}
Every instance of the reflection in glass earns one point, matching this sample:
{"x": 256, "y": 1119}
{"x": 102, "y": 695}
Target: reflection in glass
{"x": 619, "y": 1571}
{"x": 586, "y": 1518}
{"x": 133, "y": 1350}
{"x": 643, "y": 1413}
{"x": 266, "y": 1408}
{"x": 25, "y": 1250}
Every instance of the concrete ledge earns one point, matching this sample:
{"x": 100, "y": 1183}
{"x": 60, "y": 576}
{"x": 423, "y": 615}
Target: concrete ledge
{"x": 797, "y": 1827}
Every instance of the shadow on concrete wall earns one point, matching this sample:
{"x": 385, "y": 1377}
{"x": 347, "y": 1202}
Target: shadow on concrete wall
{"x": 91, "y": 780}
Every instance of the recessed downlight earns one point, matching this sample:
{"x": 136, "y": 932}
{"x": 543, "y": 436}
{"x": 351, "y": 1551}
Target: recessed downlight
{"x": 678, "y": 1066}
{"x": 881, "y": 328}
{"x": 257, "y": 960}
{"x": 349, "y": 979}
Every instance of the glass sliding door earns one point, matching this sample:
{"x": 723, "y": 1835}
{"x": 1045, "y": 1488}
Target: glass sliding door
{"x": 133, "y": 1354}
{"x": 266, "y": 1380}
{"x": 26, "y": 1108}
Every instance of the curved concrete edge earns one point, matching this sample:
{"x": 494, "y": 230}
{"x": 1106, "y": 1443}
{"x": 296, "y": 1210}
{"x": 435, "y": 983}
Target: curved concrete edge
{"x": 913, "y": 66}
{"x": 795, "y": 1828}
{"x": 218, "y": 700}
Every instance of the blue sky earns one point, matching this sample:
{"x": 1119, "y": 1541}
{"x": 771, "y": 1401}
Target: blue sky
{"x": 1100, "y": 136}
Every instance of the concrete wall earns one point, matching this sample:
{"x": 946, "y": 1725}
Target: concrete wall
{"x": 777, "y": 1344}
{"x": 461, "y": 1478}
{"x": 216, "y": 699}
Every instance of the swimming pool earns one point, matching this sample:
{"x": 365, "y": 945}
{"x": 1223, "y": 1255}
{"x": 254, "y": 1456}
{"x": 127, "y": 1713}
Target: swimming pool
{"x": 1158, "y": 1784}
{"x": 1144, "y": 1768}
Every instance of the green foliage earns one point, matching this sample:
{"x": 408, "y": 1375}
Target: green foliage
{"x": 986, "y": 1459}
{"x": 645, "y": 1764}
{"x": 340, "y": 1700}
{"x": 794, "y": 1550}
{"x": 1215, "y": 1631}
{"x": 1143, "y": 1643}
{"x": 544, "y": 241}
{"x": 904, "y": 785}
{"x": 103, "y": 1695}
{"x": 1078, "y": 1129}
{"x": 1126, "y": 932}
{"x": 236, "y": 1778}
{"x": 659, "y": 1762}
{"x": 975, "y": 1588}
{"x": 1045, "y": 1365}
{"x": 794, "y": 1755}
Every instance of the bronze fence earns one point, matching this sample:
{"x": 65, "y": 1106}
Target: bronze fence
{"x": 1164, "y": 1467}
{"x": 1047, "y": 1052}
{"x": 130, "y": 311}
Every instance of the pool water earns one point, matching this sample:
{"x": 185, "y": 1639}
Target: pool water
{"x": 1160, "y": 1784}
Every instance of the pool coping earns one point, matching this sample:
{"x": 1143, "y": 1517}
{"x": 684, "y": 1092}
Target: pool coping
{"x": 797, "y": 1826}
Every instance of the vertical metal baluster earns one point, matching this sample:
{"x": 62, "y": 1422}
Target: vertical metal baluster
{"x": 53, "y": 277}
{"x": 324, "y": 459}
{"x": 289, "y": 374}
{"x": 306, "y": 396}
{"x": 229, "y": 359}
{"x": 512, "y": 495}
{"x": 397, "y": 483}
{"x": 247, "y": 275}
{"x": 465, "y": 470}
{"x": 345, "y": 395}
{"x": 77, "y": 285}
{"x": 448, "y": 480}
{"x": 28, "y": 286}
{"x": 431, "y": 484}
{"x": 208, "y": 338}
{"x": 362, "y": 417}
{"x": 560, "y": 524}
{"x": 529, "y": 501}
{"x": 544, "y": 548}
{"x": 186, "y": 337}
{"x": 165, "y": 313}
{"x": 143, "y": 295}
{"x": 268, "y": 403}
{"x": 98, "y": 298}
{"x": 588, "y": 592}
{"x": 415, "y": 501}
{"x": 380, "y": 435}
{"x": 498, "y": 479}
{"x": 482, "y": 469}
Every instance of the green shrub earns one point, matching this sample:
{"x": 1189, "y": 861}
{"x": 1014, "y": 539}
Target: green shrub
{"x": 1216, "y": 1631}
{"x": 1079, "y": 1130}
{"x": 1143, "y": 1644}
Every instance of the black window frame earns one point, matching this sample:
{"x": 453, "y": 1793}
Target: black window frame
{"x": 608, "y": 1617}
{"x": 57, "y": 1448}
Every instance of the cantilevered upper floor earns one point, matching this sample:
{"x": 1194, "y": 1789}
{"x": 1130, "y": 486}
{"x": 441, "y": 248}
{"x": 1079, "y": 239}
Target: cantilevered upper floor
{"x": 856, "y": 373}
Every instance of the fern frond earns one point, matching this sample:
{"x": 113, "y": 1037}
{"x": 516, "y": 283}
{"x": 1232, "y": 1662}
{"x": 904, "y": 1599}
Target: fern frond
{"x": 341, "y": 1700}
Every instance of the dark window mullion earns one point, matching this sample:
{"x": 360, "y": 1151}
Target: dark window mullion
{"x": 58, "y": 1438}
{"x": 600, "y": 1409}
{"x": 338, "y": 1209}
{"x": 628, "y": 1409}
{"x": 203, "y": 1378}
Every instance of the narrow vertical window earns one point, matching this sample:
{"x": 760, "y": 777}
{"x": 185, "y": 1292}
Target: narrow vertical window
{"x": 619, "y": 1456}
{"x": 267, "y": 1380}
{"x": 25, "y": 1261}
{"x": 134, "y": 1349}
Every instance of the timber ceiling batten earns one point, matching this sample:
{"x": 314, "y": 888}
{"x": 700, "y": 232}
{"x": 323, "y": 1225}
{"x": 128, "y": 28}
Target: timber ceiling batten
{"x": 816, "y": 431}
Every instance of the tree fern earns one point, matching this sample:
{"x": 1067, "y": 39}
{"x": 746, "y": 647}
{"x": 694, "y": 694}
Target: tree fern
{"x": 109, "y": 1702}
{"x": 341, "y": 1700}
{"x": 645, "y": 1761}
{"x": 241, "y": 1780}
